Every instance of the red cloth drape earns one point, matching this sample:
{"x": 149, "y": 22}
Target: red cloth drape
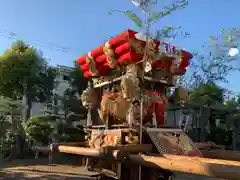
{"x": 158, "y": 107}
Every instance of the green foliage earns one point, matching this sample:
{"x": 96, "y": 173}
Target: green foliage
{"x": 170, "y": 32}
{"x": 9, "y": 106}
{"x": 77, "y": 80}
{"x": 23, "y": 70}
{"x": 233, "y": 106}
{"x": 68, "y": 133}
{"x": 10, "y": 116}
{"x": 233, "y": 103}
{"x": 132, "y": 16}
{"x": 44, "y": 129}
{"x": 7, "y": 140}
{"x": 72, "y": 104}
{"x": 64, "y": 114}
{"x": 70, "y": 107}
{"x": 152, "y": 17}
{"x": 221, "y": 137}
{"x": 230, "y": 37}
{"x": 155, "y": 16}
{"x": 207, "y": 94}
{"x": 213, "y": 63}
{"x": 39, "y": 128}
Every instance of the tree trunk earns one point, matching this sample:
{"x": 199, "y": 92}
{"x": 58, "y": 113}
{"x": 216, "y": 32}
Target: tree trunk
{"x": 27, "y": 103}
{"x": 55, "y": 104}
{"x": 234, "y": 132}
{"x": 20, "y": 140}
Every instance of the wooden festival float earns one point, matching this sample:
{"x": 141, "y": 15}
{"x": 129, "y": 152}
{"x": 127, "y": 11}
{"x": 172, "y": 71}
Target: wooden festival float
{"x": 126, "y": 100}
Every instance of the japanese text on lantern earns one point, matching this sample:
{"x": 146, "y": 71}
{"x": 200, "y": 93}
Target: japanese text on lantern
{"x": 110, "y": 140}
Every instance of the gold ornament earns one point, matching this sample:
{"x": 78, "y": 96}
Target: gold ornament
{"x": 92, "y": 65}
{"x": 110, "y": 55}
{"x": 136, "y": 45}
{"x": 113, "y": 104}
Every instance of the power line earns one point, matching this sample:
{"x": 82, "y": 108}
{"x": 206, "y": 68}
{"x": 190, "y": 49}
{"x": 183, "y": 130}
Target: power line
{"x": 45, "y": 44}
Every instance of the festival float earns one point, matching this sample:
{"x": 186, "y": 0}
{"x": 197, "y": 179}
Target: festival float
{"x": 127, "y": 139}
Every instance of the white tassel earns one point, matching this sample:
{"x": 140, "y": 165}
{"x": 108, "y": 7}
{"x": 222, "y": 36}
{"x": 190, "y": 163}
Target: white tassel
{"x": 154, "y": 119}
{"x": 89, "y": 118}
{"x": 130, "y": 116}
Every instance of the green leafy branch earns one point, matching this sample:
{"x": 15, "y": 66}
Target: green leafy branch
{"x": 131, "y": 15}
{"x": 155, "y": 16}
{"x": 158, "y": 15}
{"x": 170, "y": 32}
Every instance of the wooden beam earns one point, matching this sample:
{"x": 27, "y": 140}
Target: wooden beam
{"x": 221, "y": 154}
{"x": 43, "y": 149}
{"x": 201, "y": 166}
{"x": 81, "y": 143}
{"x": 129, "y": 148}
{"x": 204, "y": 160}
{"x": 78, "y": 150}
{"x": 208, "y": 145}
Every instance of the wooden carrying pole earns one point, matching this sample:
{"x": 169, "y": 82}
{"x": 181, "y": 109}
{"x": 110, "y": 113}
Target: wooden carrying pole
{"x": 69, "y": 150}
{"x": 203, "y": 166}
{"x": 221, "y": 154}
{"x": 194, "y": 165}
{"x": 44, "y": 149}
{"x": 78, "y": 150}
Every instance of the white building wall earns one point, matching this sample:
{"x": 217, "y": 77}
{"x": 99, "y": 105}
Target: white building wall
{"x": 38, "y": 108}
{"x": 63, "y": 85}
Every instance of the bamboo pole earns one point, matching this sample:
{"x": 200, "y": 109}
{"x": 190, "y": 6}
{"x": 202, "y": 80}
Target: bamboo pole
{"x": 200, "y": 166}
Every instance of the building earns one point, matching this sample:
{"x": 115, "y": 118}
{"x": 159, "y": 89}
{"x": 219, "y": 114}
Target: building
{"x": 62, "y": 84}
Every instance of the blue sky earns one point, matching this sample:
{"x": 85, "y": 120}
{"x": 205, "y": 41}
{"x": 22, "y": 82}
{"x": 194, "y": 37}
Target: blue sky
{"x": 81, "y": 25}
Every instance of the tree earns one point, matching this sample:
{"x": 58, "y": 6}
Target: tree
{"x": 11, "y": 130}
{"x": 232, "y": 121}
{"x": 51, "y": 128}
{"x": 207, "y": 94}
{"x": 70, "y": 107}
{"x": 151, "y": 17}
{"x": 24, "y": 73}
{"x": 226, "y": 112}
{"x": 233, "y": 103}
{"x": 39, "y": 128}
{"x": 213, "y": 62}
{"x": 77, "y": 80}
{"x": 59, "y": 120}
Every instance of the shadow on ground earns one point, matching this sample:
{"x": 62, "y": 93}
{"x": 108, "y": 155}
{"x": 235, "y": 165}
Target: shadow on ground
{"x": 23, "y": 176}
{"x": 36, "y": 169}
